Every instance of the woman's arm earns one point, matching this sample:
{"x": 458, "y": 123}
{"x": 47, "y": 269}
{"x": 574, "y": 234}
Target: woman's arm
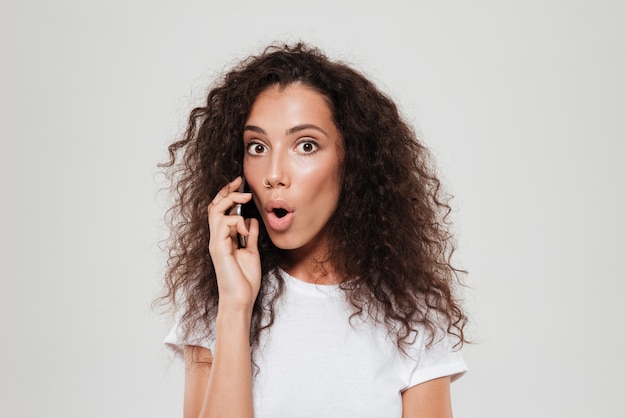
{"x": 219, "y": 384}
{"x": 430, "y": 399}
{"x": 198, "y": 362}
{"x": 229, "y": 389}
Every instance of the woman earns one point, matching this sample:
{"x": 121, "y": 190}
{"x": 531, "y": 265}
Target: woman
{"x": 333, "y": 294}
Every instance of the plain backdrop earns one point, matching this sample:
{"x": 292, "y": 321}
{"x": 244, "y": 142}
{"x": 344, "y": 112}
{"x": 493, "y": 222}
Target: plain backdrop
{"x": 522, "y": 103}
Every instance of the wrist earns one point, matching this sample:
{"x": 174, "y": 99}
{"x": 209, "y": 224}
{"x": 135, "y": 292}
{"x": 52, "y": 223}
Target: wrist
{"x": 233, "y": 317}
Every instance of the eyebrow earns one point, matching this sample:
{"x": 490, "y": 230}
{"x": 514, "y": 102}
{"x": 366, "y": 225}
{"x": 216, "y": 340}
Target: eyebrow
{"x": 289, "y": 131}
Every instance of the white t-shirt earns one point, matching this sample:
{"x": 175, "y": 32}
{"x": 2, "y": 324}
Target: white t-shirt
{"x": 314, "y": 362}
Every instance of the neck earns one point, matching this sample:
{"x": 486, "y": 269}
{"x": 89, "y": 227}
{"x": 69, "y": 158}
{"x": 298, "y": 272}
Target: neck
{"x": 310, "y": 267}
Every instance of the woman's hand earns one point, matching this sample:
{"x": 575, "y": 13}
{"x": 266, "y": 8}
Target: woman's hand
{"x": 238, "y": 270}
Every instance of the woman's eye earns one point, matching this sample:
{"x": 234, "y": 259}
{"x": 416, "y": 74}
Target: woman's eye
{"x": 256, "y": 149}
{"x": 307, "y": 147}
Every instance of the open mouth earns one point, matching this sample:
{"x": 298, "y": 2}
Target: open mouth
{"x": 280, "y": 215}
{"x": 280, "y": 212}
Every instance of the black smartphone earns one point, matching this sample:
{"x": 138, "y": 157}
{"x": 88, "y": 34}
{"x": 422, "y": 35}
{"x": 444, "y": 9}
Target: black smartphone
{"x": 238, "y": 210}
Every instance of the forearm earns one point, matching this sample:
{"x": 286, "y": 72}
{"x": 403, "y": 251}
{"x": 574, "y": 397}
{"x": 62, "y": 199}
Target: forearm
{"x": 229, "y": 389}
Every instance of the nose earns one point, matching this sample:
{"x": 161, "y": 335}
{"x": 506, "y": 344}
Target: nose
{"x": 277, "y": 173}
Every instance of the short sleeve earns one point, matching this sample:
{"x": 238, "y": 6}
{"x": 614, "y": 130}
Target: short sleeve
{"x": 176, "y": 341}
{"x": 439, "y": 360}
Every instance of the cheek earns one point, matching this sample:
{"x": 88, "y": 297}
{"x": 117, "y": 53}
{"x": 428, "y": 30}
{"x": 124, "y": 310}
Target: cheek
{"x": 247, "y": 169}
{"x": 335, "y": 181}
{"x": 252, "y": 184}
{"x": 324, "y": 193}
{"x": 250, "y": 173}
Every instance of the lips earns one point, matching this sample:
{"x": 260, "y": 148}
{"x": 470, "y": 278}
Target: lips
{"x": 280, "y": 215}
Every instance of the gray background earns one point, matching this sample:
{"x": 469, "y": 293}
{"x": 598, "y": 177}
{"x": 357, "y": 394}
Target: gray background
{"x": 523, "y": 104}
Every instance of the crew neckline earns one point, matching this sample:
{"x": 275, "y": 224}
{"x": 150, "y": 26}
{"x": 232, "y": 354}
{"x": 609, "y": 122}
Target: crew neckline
{"x": 314, "y": 289}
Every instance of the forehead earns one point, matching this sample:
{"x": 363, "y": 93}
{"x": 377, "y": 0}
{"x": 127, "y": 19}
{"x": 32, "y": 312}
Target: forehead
{"x": 291, "y": 99}
{"x": 280, "y": 112}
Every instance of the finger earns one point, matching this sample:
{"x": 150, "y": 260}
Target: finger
{"x": 224, "y": 232}
{"x": 253, "y": 233}
{"x": 230, "y": 226}
{"x": 224, "y": 191}
{"x": 242, "y": 226}
{"x": 234, "y": 239}
{"x": 225, "y": 206}
{"x": 226, "y": 203}
{"x": 233, "y": 186}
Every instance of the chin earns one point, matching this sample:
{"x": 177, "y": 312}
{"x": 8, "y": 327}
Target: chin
{"x": 284, "y": 244}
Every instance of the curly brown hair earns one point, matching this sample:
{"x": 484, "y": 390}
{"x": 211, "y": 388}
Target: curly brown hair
{"x": 389, "y": 237}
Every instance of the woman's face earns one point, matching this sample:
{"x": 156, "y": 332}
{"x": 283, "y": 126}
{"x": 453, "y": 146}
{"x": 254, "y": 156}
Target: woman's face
{"x": 292, "y": 158}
